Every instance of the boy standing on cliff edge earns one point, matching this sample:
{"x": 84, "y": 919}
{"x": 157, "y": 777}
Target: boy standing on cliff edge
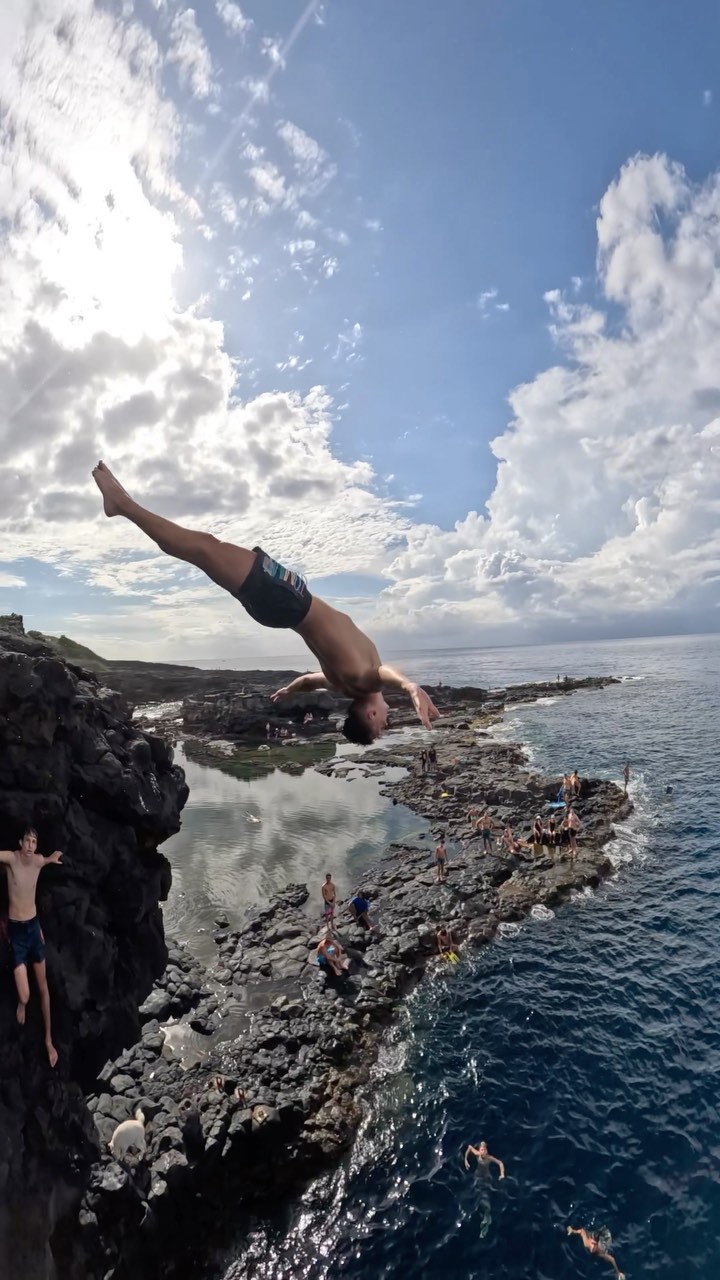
{"x": 277, "y": 597}
{"x": 26, "y": 937}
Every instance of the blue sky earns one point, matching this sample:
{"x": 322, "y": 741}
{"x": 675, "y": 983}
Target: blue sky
{"x": 421, "y": 261}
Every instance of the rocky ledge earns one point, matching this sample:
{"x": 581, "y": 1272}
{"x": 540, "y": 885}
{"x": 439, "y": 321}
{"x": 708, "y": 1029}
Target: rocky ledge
{"x": 93, "y": 785}
{"x": 264, "y": 1113}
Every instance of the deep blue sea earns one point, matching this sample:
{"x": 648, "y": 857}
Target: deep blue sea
{"x": 583, "y": 1046}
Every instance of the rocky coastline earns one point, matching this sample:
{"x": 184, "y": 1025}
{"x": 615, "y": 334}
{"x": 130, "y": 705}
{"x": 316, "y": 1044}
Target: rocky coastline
{"x": 288, "y": 1103}
{"x": 276, "y": 1097}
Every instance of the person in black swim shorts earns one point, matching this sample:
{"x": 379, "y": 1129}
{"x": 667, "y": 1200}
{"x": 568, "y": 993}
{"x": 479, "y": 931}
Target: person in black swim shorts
{"x": 25, "y": 935}
{"x": 278, "y": 597}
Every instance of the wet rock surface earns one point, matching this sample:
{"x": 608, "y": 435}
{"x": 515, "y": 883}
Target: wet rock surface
{"x": 265, "y": 1111}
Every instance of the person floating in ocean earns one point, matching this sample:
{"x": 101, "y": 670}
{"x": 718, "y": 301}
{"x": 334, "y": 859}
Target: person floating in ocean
{"x": 329, "y": 893}
{"x": 592, "y": 1243}
{"x": 626, "y": 776}
{"x": 277, "y": 597}
{"x": 358, "y": 907}
{"x": 331, "y": 955}
{"x": 441, "y": 859}
{"x": 27, "y": 943}
{"x": 483, "y": 1157}
{"x": 484, "y": 1161}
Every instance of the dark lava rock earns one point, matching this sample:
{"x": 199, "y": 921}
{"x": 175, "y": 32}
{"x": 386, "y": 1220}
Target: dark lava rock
{"x": 74, "y": 766}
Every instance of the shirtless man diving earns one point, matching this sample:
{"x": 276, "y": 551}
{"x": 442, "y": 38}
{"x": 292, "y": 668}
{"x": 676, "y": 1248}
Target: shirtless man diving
{"x": 26, "y": 938}
{"x": 276, "y": 597}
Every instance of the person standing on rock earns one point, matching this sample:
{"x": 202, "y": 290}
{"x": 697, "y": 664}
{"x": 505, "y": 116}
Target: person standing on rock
{"x": 27, "y": 943}
{"x": 329, "y": 893}
{"x": 441, "y": 859}
{"x": 572, "y": 824}
{"x": 445, "y": 942}
{"x": 626, "y": 776}
{"x": 485, "y": 826}
{"x": 276, "y": 597}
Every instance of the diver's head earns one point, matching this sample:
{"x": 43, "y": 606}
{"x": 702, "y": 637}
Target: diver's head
{"x": 366, "y": 719}
{"x": 483, "y": 1149}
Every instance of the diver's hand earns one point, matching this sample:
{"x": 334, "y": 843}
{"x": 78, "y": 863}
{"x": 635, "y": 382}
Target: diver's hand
{"x": 425, "y": 708}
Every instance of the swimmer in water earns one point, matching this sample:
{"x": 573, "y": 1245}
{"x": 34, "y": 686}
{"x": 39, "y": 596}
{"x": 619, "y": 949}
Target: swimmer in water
{"x": 484, "y": 1161}
{"x": 592, "y": 1244}
{"x": 483, "y": 1157}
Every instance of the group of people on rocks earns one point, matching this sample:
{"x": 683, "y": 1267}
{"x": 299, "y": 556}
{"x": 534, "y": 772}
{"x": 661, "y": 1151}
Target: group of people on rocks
{"x": 330, "y": 953}
{"x": 546, "y": 832}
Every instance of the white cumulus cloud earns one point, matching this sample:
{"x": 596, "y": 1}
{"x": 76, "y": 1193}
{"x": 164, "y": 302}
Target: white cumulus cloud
{"x": 605, "y": 510}
{"x": 190, "y": 54}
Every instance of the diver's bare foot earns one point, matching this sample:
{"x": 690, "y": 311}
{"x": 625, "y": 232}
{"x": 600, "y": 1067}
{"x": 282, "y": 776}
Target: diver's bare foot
{"x": 21, "y": 1012}
{"x": 115, "y": 499}
{"x": 52, "y": 1052}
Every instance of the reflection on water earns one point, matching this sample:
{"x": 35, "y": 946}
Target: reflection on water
{"x": 241, "y": 840}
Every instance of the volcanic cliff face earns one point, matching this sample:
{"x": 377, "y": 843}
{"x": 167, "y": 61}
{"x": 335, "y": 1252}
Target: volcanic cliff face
{"x": 73, "y": 766}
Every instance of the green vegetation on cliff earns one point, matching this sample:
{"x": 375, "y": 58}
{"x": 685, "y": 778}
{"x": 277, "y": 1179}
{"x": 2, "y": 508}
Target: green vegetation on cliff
{"x": 72, "y": 651}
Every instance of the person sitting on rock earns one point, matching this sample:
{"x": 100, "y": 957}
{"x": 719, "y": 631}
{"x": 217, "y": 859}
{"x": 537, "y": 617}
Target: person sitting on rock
{"x": 358, "y": 907}
{"x": 483, "y": 1157}
{"x": 538, "y": 835}
{"x": 592, "y": 1244}
{"x": 329, "y": 893}
{"x": 512, "y": 844}
{"x": 330, "y": 955}
{"x": 27, "y": 943}
{"x": 441, "y": 859}
{"x": 277, "y": 597}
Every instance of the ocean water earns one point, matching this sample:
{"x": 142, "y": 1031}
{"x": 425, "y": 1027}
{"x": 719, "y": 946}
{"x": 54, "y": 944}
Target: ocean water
{"x": 583, "y": 1046}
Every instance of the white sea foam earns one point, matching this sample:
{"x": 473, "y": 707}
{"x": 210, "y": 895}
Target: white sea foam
{"x": 508, "y": 929}
{"x": 539, "y": 912}
{"x": 633, "y": 837}
{"x": 157, "y": 710}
